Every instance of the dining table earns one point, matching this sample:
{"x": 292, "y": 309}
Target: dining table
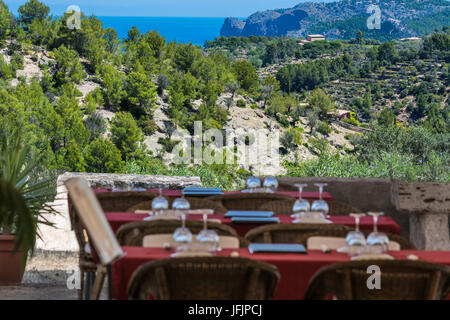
{"x": 296, "y": 269}
{"x": 310, "y": 195}
{"x": 385, "y": 224}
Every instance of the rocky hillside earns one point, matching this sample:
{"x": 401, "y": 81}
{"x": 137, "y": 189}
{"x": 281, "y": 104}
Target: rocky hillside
{"x": 342, "y": 19}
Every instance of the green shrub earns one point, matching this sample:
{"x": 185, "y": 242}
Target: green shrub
{"x": 241, "y": 103}
{"x": 291, "y": 139}
{"x": 324, "y": 128}
{"x": 253, "y": 106}
{"x": 17, "y": 61}
{"x": 352, "y": 122}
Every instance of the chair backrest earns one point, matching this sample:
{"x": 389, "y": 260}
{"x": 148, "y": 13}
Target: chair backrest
{"x": 133, "y": 233}
{"x": 333, "y": 243}
{"x": 399, "y": 280}
{"x": 159, "y": 240}
{"x": 336, "y": 208}
{"x": 402, "y": 242}
{"x": 284, "y": 207}
{"x": 122, "y": 200}
{"x": 280, "y": 207}
{"x": 201, "y": 278}
{"x": 289, "y": 233}
{"x": 196, "y": 203}
{"x": 247, "y": 200}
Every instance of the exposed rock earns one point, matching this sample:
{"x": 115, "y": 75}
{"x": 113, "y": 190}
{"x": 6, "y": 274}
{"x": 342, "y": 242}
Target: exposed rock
{"x": 231, "y": 27}
{"x": 87, "y": 87}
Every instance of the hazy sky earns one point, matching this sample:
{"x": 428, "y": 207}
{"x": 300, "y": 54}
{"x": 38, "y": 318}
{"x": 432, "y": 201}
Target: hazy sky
{"x": 162, "y": 8}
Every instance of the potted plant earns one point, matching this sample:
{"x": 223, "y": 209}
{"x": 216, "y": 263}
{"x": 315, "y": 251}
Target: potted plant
{"x": 24, "y": 198}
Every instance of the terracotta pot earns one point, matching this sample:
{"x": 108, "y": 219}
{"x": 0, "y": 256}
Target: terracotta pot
{"x": 11, "y": 267}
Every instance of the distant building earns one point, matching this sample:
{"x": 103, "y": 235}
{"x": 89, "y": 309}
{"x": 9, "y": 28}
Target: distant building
{"x": 315, "y": 37}
{"x": 410, "y": 39}
{"x": 311, "y": 38}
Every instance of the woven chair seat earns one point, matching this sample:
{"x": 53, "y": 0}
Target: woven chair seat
{"x": 399, "y": 280}
{"x": 195, "y": 203}
{"x": 133, "y": 233}
{"x": 290, "y": 233}
{"x": 204, "y": 278}
{"x": 247, "y": 201}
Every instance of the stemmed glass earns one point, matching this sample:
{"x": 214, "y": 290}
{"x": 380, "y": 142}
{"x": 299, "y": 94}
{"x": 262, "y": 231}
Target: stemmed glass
{"x": 159, "y": 204}
{"x": 378, "y": 241}
{"x": 355, "y": 239}
{"x": 271, "y": 184}
{"x": 182, "y": 235}
{"x": 320, "y": 205}
{"x": 301, "y": 206}
{"x": 208, "y": 237}
{"x": 253, "y": 183}
{"x": 181, "y": 205}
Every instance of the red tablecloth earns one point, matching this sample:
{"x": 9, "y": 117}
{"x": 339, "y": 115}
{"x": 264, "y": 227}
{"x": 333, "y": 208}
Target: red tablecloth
{"x": 177, "y": 193}
{"x": 385, "y": 224}
{"x": 296, "y": 270}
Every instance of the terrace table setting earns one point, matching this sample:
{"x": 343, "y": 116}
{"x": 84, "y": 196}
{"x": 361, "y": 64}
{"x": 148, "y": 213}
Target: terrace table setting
{"x": 296, "y": 270}
{"x": 385, "y": 224}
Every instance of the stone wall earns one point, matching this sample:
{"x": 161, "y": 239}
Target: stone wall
{"x": 61, "y": 238}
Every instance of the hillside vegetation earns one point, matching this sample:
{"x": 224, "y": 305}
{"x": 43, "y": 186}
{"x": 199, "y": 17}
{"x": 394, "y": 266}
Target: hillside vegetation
{"x": 90, "y": 102}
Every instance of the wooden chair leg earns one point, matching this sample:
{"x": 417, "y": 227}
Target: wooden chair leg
{"x": 80, "y": 291}
{"x": 98, "y": 285}
{"x": 87, "y": 285}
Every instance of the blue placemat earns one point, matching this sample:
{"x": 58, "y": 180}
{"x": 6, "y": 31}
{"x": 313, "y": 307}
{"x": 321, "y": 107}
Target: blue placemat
{"x": 276, "y": 248}
{"x": 202, "y": 191}
{"x": 255, "y": 220}
{"x": 248, "y": 213}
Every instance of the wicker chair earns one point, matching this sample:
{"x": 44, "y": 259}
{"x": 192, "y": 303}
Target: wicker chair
{"x": 85, "y": 261}
{"x": 289, "y": 233}
{"x": 195, "y": 203}
{"x": 284, "y": 207}
{"x": 280, "y": 207}
{"x": 403, "y": 242}
{"x": 204, "y": 278}
{"x": 400, "y": 280}
{"x": 121, "y": 201}
{"x": 133, "y": 233}
{"x": 247, "y": 201}
{"x": 336, "y": 208}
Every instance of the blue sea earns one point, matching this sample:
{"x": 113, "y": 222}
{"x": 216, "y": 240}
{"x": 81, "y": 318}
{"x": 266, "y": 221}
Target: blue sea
{"x": 186, "y": 30}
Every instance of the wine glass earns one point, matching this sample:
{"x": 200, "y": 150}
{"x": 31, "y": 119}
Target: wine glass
{"x": 378, "y": 241}
{"x": 301, "y": 206}
{"x": 355, "y": 239}
{"x": 208, "y": 237}
{"x": 182, "y": 236}
{"x": 270, "y": 183}
{"x": 320, "y": 205}
{"x": 253, "y": 183}
{"x": 181, "y": 205}
{"x": 159, "y": 203}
